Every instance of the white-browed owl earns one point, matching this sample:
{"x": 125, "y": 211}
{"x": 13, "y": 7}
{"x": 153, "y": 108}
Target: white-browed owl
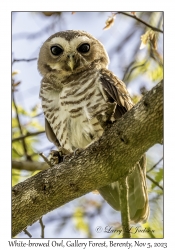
{"x": 79, "y": 97}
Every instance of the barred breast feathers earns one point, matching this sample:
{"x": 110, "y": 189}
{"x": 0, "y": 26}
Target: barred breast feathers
{"x": 72, "y": 112}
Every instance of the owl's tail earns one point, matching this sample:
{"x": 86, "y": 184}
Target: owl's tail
{"x": 137, "y": 196}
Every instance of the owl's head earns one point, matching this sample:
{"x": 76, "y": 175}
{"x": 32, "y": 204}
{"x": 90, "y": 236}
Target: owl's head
{"x": 70, "y": 52}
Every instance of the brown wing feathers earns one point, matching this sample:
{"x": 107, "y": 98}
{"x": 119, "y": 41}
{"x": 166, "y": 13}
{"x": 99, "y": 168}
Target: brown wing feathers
{"x": 138, "y": 199}
{"x": 116, "y": 92}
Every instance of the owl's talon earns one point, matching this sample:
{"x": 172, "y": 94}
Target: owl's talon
{"x": 65, "y": 156}
{"x": 77, "y": 151}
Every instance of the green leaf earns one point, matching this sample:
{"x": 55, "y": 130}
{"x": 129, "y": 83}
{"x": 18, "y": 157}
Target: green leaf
{"x": 159, "y": 175}
{"x": 79, "y": 221}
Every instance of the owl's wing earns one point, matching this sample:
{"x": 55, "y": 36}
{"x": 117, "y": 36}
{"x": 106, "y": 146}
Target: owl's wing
{"x": 116, "y": 91}
{"x": 50, "y": 134}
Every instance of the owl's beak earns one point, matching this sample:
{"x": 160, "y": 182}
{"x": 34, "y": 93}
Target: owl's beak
{"x": 71, "y": 61}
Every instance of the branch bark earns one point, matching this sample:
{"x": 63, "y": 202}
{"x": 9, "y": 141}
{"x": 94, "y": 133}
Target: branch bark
{"x": 105, "y": 161}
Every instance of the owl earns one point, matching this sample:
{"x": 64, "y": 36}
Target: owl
{"x": 80, "y": 96}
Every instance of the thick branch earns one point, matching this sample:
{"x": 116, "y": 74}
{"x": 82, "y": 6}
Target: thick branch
{"x": 105, "y": 161}
{"x": 34, "y": 166}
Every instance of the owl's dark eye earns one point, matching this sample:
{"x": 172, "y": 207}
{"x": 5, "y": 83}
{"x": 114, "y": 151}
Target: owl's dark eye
{"x": 56, "y": 50}
{"x": 84, "y": 48}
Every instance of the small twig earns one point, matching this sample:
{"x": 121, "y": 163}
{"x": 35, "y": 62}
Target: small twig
{"x": 140, "y": 20}
{"x": 24, "y": 60}
{"x": 155, "y": 165}
{"x": 42, "y": 227}
{"x": 37, "y": 115}
{"x": 26, "y": 232}
{"x": 129, "y": 70}
{"x": 43, "y": 150}
{"x": 123, "y": 187}
{"x": 45, "y": 159}
{"x": 155, "y": 182}
{"x": 27, "y": 135}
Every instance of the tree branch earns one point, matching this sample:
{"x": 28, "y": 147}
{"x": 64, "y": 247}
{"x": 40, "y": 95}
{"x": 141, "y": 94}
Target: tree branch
{"x": 29, "y": 165}
{"x": 140, "y": 20}
{"x": 27, "y": 135}
{"x": 153, "y": 181}
{"x": 24, "y": 60}
{"x": 26, "y": 232}
{"x": 107, "y": 160}
{"x": 42, "y": 227}
{"x": 155, "y": 165}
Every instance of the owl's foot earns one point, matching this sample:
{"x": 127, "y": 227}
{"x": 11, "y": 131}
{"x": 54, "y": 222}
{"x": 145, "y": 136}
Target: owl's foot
{"x": 60, "y": 155}
{"x": 73, "y": 154}
{"x": 55, "y": 157}
{"x": 77, "y": 151}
